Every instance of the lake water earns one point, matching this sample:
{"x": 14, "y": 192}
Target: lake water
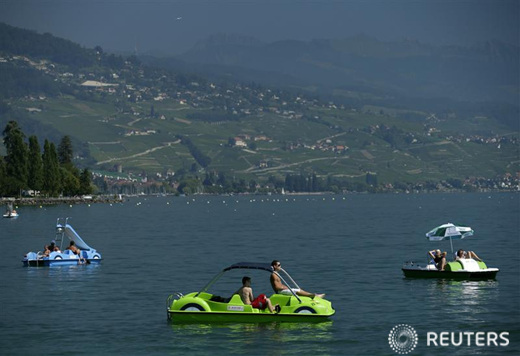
{"x": 351, "y": 247}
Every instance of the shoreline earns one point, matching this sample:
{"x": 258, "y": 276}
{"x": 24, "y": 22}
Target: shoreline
{"x": 105, "y": 199}
{"x": 63, "y": 200}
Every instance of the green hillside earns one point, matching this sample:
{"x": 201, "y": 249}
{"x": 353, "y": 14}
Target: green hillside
{"x": 124, "y": 116}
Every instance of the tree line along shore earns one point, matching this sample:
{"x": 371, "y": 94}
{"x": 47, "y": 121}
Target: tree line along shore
{"x": 26, "y": 171}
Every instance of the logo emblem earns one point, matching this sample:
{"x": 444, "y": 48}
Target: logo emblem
{"x": 235, "y": 308}
{"x": 402, "y": 339}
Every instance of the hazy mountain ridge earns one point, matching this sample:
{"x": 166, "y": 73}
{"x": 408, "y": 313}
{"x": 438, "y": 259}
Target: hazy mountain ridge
{"x": 483, "y": 72}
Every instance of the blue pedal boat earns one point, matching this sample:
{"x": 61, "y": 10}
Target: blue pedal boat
{"x": 64, "y": 232}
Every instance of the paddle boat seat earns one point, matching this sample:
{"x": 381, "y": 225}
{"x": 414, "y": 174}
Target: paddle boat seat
{"x": 235, "y": 299}
{"x": 467, "y": 264}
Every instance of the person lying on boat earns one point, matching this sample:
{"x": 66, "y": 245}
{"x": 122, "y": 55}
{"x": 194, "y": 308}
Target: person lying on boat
{"x": 466, "y": 254}
{"x": 261, "y": 302}
{"x": 281, "y": 288}
{"x": 73, "y": 248}
{"x": 76, "y": 251}
{"x": 439, "y": 258}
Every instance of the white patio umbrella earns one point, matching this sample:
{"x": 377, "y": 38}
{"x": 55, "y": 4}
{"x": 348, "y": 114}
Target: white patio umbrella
{"x": 450, "y": 232}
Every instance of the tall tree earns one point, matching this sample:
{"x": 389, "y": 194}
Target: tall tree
{"x": 3, "y": 177}
{"x": 85, "y": 182}
{"x": 17, "y": 156}
{"x": 65, "y": 152}
{"x": 51, "y": 169}
{"x": 35, "y": 165}
{"x": 69, "y": 182}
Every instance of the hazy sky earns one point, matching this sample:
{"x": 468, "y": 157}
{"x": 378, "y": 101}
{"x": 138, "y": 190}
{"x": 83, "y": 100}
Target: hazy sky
{"x": 173, "y": 26}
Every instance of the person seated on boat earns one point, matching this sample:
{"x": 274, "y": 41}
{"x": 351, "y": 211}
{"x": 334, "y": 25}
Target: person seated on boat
{"x": 467, "y": 254}
{"x": 46, "y": 250}
{"x": 281, "y": 288}
{"x": 439, "y": 258}
{"x": 53, "y": 247}
{"x": 261, "y": 302}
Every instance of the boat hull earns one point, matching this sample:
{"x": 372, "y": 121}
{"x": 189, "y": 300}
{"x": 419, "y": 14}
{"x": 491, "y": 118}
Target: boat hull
{"x": 490, "y": 273}
{"x": 55, "y": 263}
{"x": 239, "y": 317}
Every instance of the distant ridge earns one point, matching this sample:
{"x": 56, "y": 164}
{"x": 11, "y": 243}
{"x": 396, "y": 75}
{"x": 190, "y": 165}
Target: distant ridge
{"x": 220, "y": 39}
{"x": 486, "y": 71}
{"x": 26, "y": 42}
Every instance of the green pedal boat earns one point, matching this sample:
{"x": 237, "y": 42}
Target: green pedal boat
{"x": 205, "y": 307}
{"x": 465, "y": 267}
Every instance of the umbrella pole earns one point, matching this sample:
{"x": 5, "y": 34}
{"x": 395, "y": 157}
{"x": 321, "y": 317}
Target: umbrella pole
{"x": 451, "y": 243}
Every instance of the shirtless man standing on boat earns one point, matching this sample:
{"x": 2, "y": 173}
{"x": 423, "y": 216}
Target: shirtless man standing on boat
{"x": 281, "y": 288}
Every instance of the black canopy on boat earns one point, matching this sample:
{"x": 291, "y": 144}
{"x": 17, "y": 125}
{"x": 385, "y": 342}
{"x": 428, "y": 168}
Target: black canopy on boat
{"x": 253, "y": 265}
{"x": 249, "y": 265}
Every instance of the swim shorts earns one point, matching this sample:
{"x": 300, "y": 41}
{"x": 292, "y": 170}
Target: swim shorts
{"x": 288, "y": 291}
{"x": 260, "y": 302}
